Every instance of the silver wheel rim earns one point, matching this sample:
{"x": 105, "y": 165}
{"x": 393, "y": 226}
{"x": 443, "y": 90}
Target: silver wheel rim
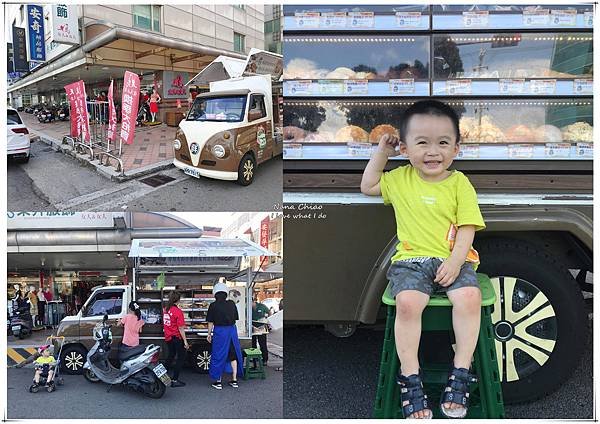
{"x": 74, "y": 361}
{"x": 525, "y": 327}
{"x": 248, "y": 170}
{"x": 203, "y": 360}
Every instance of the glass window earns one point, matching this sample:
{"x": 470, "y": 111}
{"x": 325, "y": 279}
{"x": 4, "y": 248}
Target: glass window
{"x": 240, "y": 6}
{"x": 108, "y": 302}
{"x": 257, "y": 104}
{"x": 13, "y": 118}
{"x": 146, "y": 17}
{"x": 239, "y": 42}
{"x": 217, "y": 109}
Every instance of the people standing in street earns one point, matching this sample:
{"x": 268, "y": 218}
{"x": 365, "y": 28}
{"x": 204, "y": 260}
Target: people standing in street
{"x": 174, "y": 330}
{"x": 154, "y": 101}
{"x": 33, "y": 306}
{"x": 132, "y": 326}
{"x": 41, "y": 306}
{"x": 226, "y": 353}
{"x": 260, "y": 313}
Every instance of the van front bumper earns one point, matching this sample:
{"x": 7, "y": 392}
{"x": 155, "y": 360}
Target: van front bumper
{"x": 209, "y": 173}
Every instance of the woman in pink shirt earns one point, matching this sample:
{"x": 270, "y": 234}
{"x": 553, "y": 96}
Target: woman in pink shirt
{"x": 133, "y": 324}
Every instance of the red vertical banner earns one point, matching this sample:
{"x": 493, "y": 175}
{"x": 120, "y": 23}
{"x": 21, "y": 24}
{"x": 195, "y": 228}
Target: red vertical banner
{"x": 112, "y": 114}
{"x": 80, "y": 124}
{"x": 129, "y": 106}
{"x": 264, "y": 237}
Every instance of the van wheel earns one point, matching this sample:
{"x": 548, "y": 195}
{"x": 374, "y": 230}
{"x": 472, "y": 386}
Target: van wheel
{"x": 201, "y": 358}
{"x": 72, "y": 360}
{"x": 246, "y": 170}
{"x": 539, "y": 319}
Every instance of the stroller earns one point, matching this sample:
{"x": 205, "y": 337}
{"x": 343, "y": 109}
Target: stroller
{"x": 56, "y": 379}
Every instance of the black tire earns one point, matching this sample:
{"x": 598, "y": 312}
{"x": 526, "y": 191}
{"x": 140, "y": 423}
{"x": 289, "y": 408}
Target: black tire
{"x": 246, "y": 170}
{"x": 90, "y": 376}
{"x": 157, "y": 389}
{"x": 72, "y": 359}
{"x": 25, "y": 159}
{"x": 554, "y": 326}
{"x": 201, "y": 358}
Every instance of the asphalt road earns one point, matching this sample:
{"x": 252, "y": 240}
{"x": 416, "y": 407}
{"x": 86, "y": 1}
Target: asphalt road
{"x": 53, "y": 181}
{"x": 81, "y": 399}
{"x": 329, "y": 377}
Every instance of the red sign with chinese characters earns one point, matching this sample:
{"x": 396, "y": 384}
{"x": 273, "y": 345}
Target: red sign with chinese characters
{"x": 112, "y": 114}
{"x": 264, "y": 237}
{"x": 129, "y": 106}
{"x": 80, "y": 124}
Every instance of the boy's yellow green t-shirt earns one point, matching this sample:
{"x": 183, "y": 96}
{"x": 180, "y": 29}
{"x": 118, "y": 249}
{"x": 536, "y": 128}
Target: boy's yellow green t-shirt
{"x": 428, "y": 213}
{"x": 45, "y": 360}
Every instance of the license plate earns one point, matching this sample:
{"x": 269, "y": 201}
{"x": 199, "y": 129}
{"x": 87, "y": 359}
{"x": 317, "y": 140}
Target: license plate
{"x": 191, "y": 171}
{"x": 16, "y": 328}
{"x": 161, "y": 372}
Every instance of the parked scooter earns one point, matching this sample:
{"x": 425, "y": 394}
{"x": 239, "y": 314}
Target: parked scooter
{"x": 21, "y": 322}
{"x": 139, "y": 370}
{"x": 63, "y": 113}
{"x": 46, "y": 115}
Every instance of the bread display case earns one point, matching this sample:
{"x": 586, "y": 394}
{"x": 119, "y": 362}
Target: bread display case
{"x": 522, "y": 89}
{"x": 356, "y": 65}
{"x": 490, "y": 129}
{"x": 481, "y": 16}
{"x": 356, "y": 17}
{"x": 489, "y": 64}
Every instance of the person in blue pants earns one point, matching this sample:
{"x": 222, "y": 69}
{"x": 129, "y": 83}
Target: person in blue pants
{"x": 226, "y": 355}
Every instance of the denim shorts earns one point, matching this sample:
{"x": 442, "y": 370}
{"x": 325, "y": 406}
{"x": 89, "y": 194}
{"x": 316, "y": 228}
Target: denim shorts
{"x": 404, "y": 275}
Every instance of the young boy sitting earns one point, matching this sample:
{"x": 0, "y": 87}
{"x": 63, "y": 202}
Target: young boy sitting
{"x": 44, "y": 364}
{"x": 437, "y": 214}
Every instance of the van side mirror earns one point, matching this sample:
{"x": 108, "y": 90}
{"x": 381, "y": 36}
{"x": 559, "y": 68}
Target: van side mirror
{"x": 253, "y": 115}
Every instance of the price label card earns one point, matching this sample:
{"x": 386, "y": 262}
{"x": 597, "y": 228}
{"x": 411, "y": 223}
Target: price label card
{"x": 563, "y": 17}
{"x": 458, "y": 86}
{"x": 292, "y": 150}
{"x": 361, "y": 19}
{"x": 307, "y": 19}
{"x": 332, "y": 87}
{"x": 512, "y": 86}
{"x": 298, "y": 88}
{"x": 585, "y": 85}
{"x": 333, "y": 19}
{"x": 401, "y": 86}
{"x": 360, "y": 149}
{"x": 585, "y": 150}
{"x": 536, "y": 17}
{"x": 408, "y": 19}
{"x": 546, "y": 86}
{"x": 558, "y": 150}
{"x": 356, "y": 86}
{"x": 520, "y": 151}
{"x": 588, "y": 19}
{"x": 468, "y": 151}
{"x": 476, "y": 19}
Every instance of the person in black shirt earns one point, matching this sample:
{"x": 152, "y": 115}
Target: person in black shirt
{"x": 226, "y": 355}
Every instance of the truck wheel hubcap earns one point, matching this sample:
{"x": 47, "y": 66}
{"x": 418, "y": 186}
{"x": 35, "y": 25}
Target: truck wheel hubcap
{"x": 203, "y": 360}
{"x": 73, "y": 360}
{"x": 248, "y": 170}
{"x": 525, "y": 327}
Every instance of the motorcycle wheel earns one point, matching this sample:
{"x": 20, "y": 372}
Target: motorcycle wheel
{"x": 156, "y": 389}
{"x": 90, "y": 376}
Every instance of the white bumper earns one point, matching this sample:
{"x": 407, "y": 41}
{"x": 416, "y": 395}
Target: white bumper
{"x": 209, "y": 173}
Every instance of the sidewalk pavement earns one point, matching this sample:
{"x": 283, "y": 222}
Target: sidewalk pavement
{"x": 151, "y": 150}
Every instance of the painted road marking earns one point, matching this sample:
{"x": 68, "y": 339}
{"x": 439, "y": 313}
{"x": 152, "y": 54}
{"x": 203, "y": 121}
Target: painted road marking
{"x": 16, "y": 354}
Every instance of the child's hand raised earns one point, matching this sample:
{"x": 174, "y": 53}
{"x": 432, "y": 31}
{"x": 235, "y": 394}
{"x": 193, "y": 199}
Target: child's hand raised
{"x": 388, "y": 144}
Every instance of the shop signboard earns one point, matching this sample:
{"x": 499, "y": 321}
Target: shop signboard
{"x": 112, "y": 114}
{"x": 174, "y": 85}
{"x": 129, "y": 106}
{"x": 61, "y": 220}
{"x": 80, "y": 125}
{"x": 264, "y": 237}
{"x": 20, "y": 49}
{"x": 35, "y": 28}
{"x": 65, "y": 29}
{"x": 9, "y": 58}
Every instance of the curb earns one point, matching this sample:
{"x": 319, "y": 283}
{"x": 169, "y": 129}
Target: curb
{"x": 15, "y": 355}
{"x": 104, "y": 170}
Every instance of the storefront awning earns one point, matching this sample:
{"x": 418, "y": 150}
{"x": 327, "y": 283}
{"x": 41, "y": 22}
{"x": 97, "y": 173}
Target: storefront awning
{"x": 199, "y": 247}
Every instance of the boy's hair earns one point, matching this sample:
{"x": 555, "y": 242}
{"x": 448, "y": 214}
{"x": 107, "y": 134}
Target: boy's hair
{"x": 429, "y": 107}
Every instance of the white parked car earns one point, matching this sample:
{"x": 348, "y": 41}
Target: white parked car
{"x": 18, "y": 144}
{"x": 272, "y": 303}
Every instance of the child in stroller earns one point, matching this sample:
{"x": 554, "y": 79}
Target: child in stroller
{"x": 45, "y": 366}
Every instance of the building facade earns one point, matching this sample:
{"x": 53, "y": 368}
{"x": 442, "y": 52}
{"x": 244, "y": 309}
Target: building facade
{"x": 273, "y": 28}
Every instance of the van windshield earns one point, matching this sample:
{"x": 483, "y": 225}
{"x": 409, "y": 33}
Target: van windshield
{"x": 218, "y": 109}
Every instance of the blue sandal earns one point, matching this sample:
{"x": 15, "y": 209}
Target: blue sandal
{"x": 411, "y": 391}
{"x": 457, "y": 391}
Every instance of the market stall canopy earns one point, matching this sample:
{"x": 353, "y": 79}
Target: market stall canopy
{"x": 258, "y": 62}
{"x": 199, "y": 247}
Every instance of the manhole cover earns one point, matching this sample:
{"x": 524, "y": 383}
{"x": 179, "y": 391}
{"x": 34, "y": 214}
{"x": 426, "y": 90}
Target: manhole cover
{"x": 157, "y": 180}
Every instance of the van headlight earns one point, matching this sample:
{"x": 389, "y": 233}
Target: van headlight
{"x": 218, "y": 151}
{"x": 177, "y": 144}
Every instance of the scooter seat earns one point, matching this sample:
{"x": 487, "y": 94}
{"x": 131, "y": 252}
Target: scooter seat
{"x": 131, "y": 352}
